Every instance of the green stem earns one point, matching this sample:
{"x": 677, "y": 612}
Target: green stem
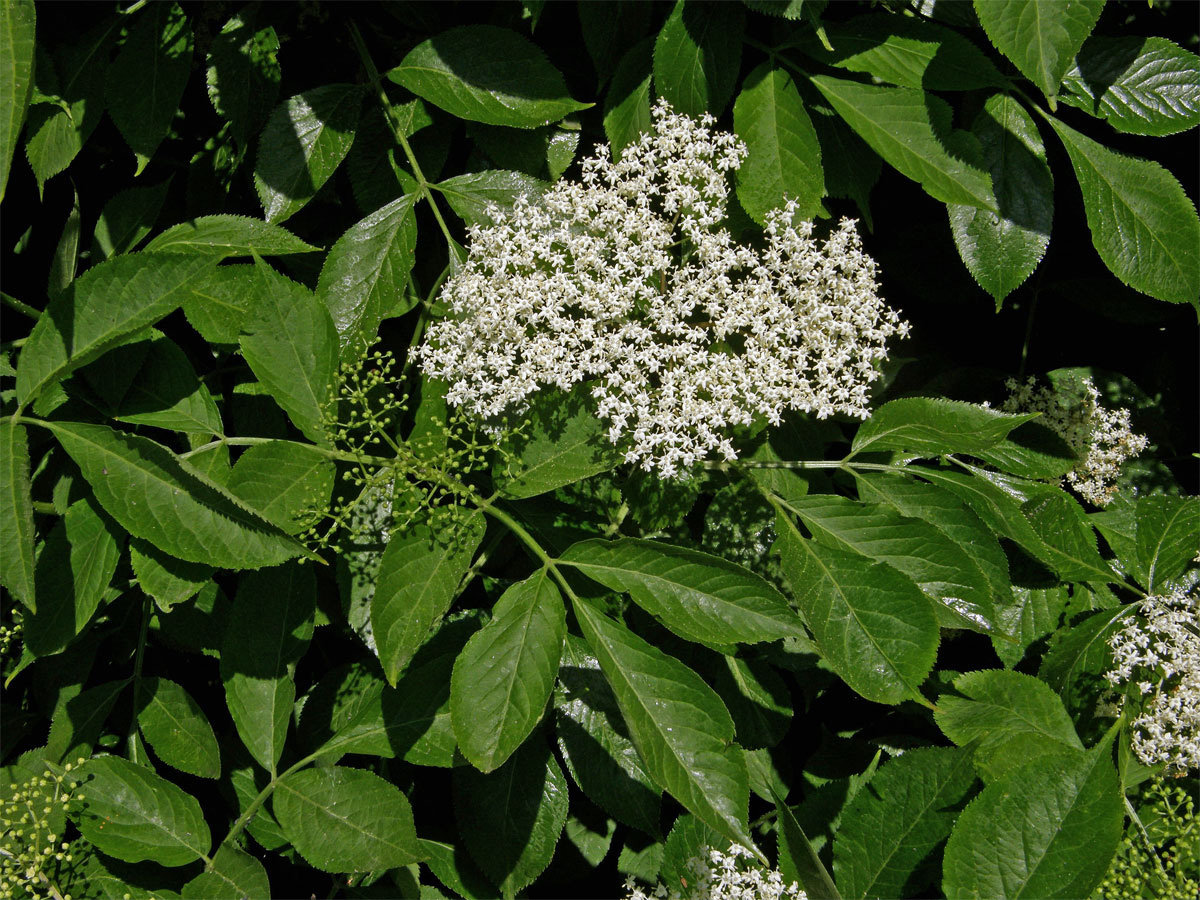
{"x": 376, "y": 82}
{"x": 131, "y": 737}
{"x": 43, "y": 508}
{"x": 134, "y": 8}
{"x": 250, "y": 811}
{"x": 531, "y": 543}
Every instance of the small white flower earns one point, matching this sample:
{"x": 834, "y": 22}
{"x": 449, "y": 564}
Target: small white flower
{"x": 627, "y": 281}
{"x": 1168, "y": 729}
{"x": 732, "y": 875}
{"x": 1102, "y": 438}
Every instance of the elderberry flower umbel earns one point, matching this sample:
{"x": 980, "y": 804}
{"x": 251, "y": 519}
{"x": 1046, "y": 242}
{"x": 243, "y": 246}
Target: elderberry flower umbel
{"x": 1159, "y": 653}
{"x": 629, "y": 282}
{"x": 1101, "y": 438}
{"x": 732, "y": 875}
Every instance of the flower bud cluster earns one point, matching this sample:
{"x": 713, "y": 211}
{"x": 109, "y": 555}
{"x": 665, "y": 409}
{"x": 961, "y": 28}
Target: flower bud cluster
{"x": 35, "y": 861}
{"x": 732, "y": 875}
{"x": 628, "y": 281}
{"x": 1159, "y": 653}
{"x": 1102, "y": 438}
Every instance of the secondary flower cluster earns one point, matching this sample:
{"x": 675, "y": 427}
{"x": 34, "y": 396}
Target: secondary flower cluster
{"x": 732, "y": 875}
{"x": 627, "y": 281}
{"x": 1160, "y": 653}
{"x": 1102, "y": 438}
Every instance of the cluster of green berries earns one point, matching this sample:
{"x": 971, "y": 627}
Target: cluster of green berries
{"x": 35, "y": 861}
{"x": 1163, "y": 862}
{"x": 10, "y": 635}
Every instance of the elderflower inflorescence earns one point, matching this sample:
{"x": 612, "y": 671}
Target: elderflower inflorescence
{"x": 732, "y": 875}
{"x": 627, "y": 281}
{"x": 1102, "y": 437}
{"x": 1159, "y": 652}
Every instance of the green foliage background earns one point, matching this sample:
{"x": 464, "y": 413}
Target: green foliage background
{"x": 312, "y": 633}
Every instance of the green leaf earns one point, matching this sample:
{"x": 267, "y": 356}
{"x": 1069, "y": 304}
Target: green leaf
{"x": 946, "y": 512}
{"x": 1047, "y": 830}
{"x": 912, "y": 131}
{"x": 482, "y": 73}
{"x": 156, "y": 496}
{"x": 1008, "y": 719}
{"x": 135, "y": 815}
{"x": 418, "y": 580}
{"x": 77, "y": 723}
{"x": 563, "y": 443}
{"x": 17, "y": 34}
{"x": 627, "y": 103}
{"x": 175, "y": 726}
{"x": 1068, "y": 537}
{"x": 127, "y": 218}
{"x": 1034, "y": 615}
{"x": 700, "y": 597}
{"x": 758, "y": 700}
{"x": 888, "y": 831}
{"x": 680, "y": 728}
{"x": 932, "y": 426}
{"x": 346, "y": 820}
{"x": 285, "y": 481}
{"x": 1143, "y": 225}
{"x": 56, "y": 132}
{"x": 1002, "y": 249}
{"x": 914, "y": 53}
{"x": 784, "y": 161}
{"x": 596, "y": 746}
{"x": 412, "y": 720}
{"x": 1168, "y": 533}
{"x": 221, "y": 237}
{"x": 74, "y": 568}
{"x": 100, "y": 308}
{"x": 697, "y": 55}
{"x": 1040, "y": 38}
{"x": 291, "y": 345}
{"x": 872, "y": 624}
{"x": 851, "y": 168}
{"x": 219, "y": 301}
{"x": 167, "y": 579}
{"x": 798, "y": 860}
{"x": 938, "y": 565}
{"x": 452, "y": 865}
{"x": 305, "y": 139}
{"x": 1141, "y": 85}
{"x": 269, "y": 630}
{"x": 470, "y": 195}
{"x": 505, "y": 674}
{"x": 244, "y": 74}
{"x": 167, "y": 394}
{"x": 1078, "y": 657}
{"x": 366, "y": 271}
{"x": 16, "y": 515}
{"x": 511, "y": 819}
{"x": 1034, "y": 451}
{"x": 146, "y": 79}
{"x": 233, "y": 873}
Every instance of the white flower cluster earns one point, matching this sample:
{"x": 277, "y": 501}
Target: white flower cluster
{"x": 627, "y": 281}
{"x": 1101, "y": 437}
{"x": 1160, "y": 653}
{"x": 732, "y": 875}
